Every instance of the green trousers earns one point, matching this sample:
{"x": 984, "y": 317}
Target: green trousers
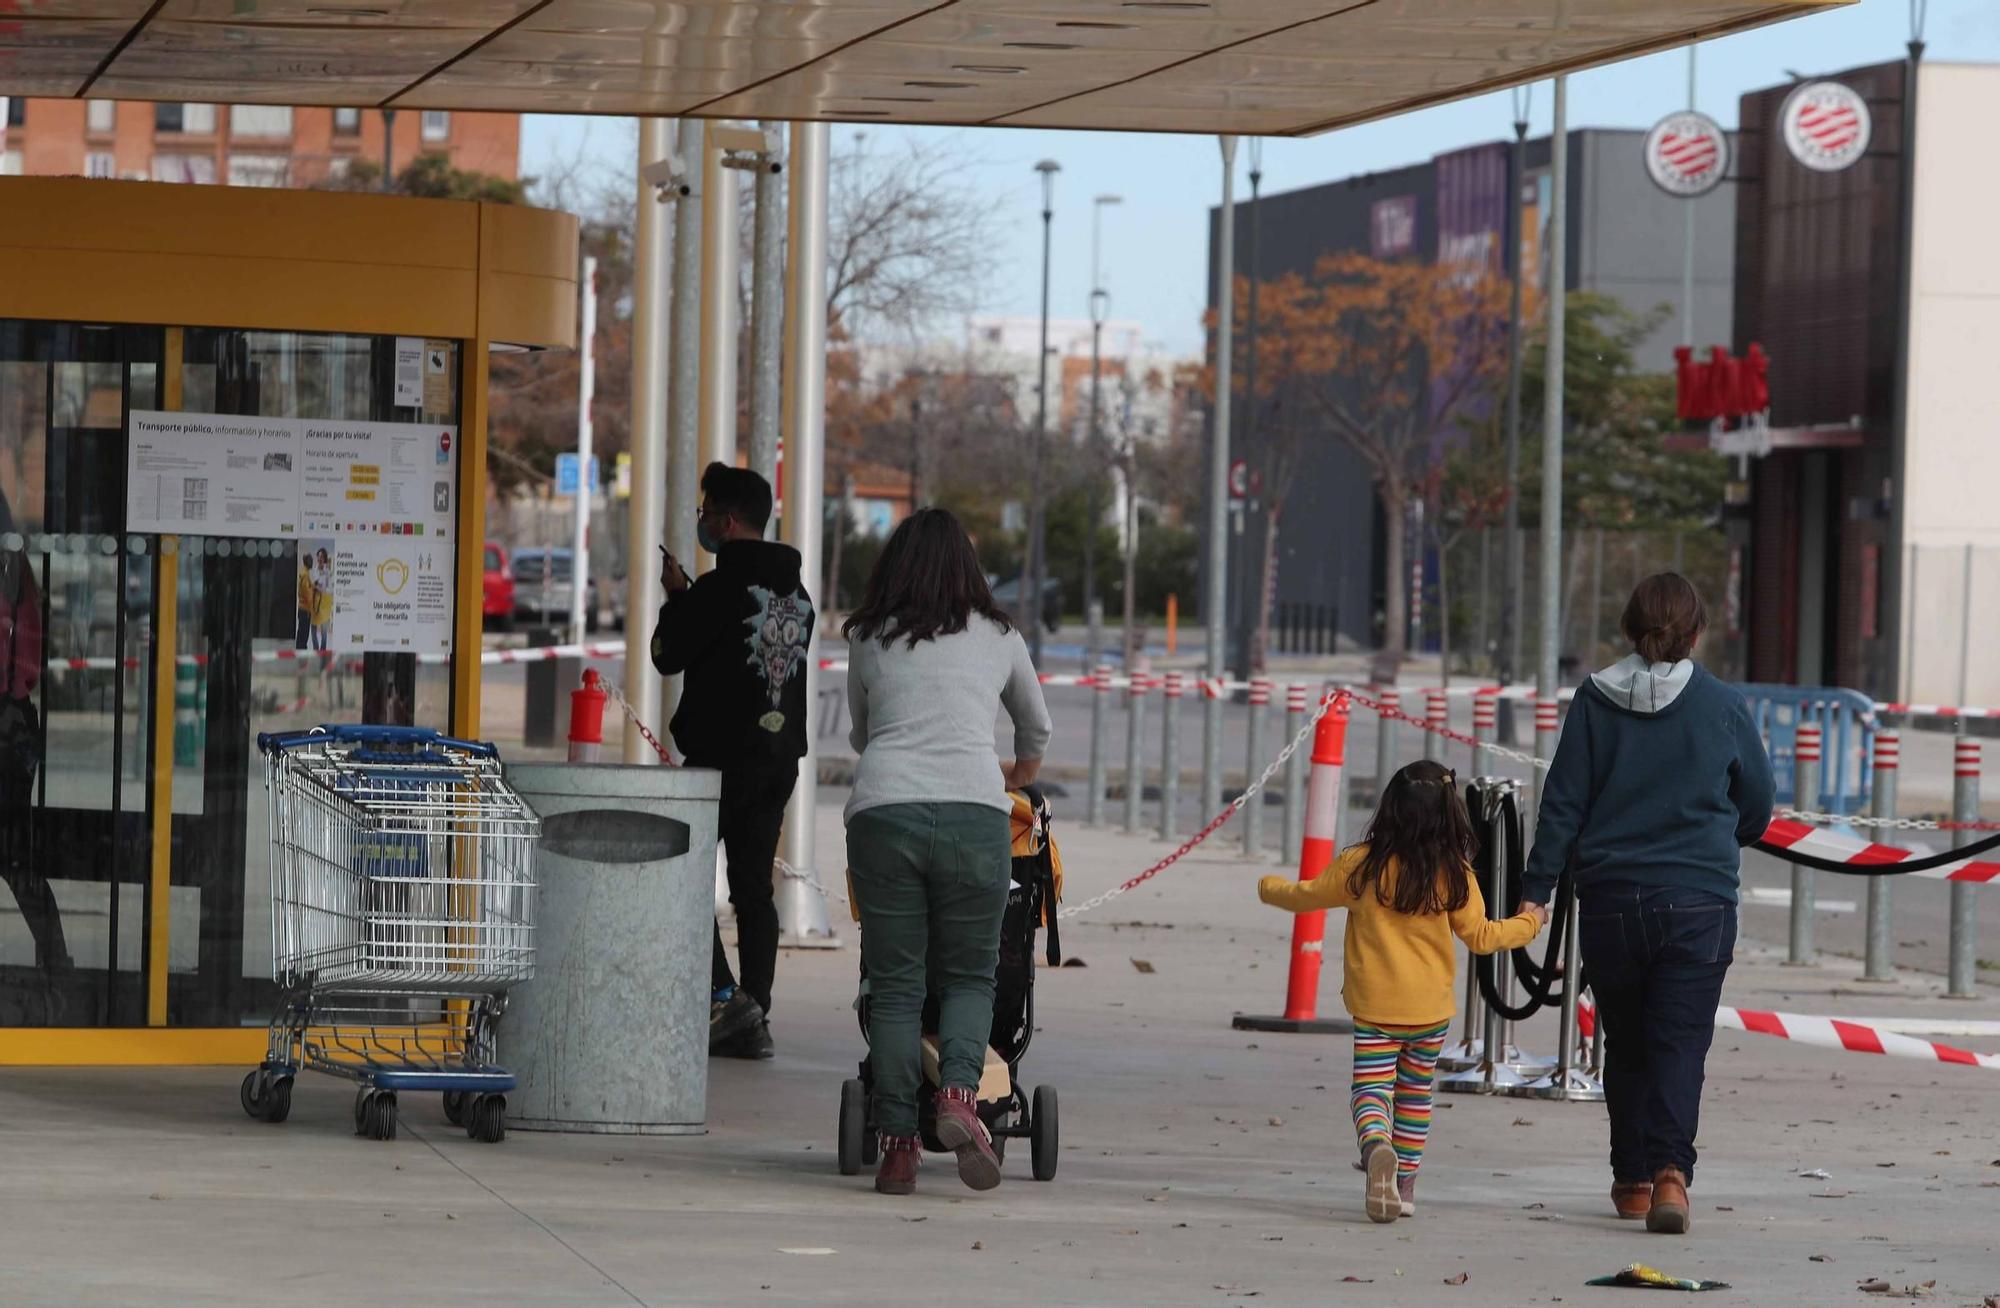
{"x": 931, "y": 883}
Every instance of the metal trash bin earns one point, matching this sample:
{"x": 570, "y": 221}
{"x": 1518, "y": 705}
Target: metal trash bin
{"x": 612, "y": 1034}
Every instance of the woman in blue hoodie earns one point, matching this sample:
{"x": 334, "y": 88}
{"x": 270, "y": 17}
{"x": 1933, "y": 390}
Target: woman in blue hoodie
{"x": 1659, "y": 781}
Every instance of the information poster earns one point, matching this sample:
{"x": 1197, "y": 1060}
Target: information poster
{"x": 409, "y": 372}
{"x": 370, "y": 504}
{"x": 204, "y": 474}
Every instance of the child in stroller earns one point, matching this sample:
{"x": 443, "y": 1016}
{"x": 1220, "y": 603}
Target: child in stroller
{"x": 1008, "y": 1113}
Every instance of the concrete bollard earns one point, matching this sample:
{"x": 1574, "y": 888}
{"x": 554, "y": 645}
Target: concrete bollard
{"x": 1437, "y": 714}
{"x": 1135, "y": 761}
{"x": 1805, "y": 795}
{"x": 1170, "y": 756}
{"x": 1485, "y": 729}
{"x": 1385, "y": 740}
{"x": 1100, "y": 687}
{"x": 1316, "y": 853}
{"x": 1888, "y": 760}
{"x": 1297, "y": 700}
{"x": 1253, "y": 812}
{"x": 1962, "y": 974}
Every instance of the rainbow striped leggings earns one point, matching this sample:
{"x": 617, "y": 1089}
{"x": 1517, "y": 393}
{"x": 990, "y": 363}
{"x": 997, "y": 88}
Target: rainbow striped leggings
{"x": 1393, "y": 1070}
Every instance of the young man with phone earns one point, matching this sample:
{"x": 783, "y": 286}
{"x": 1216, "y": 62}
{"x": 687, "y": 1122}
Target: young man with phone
{"x": 739, "y": 636}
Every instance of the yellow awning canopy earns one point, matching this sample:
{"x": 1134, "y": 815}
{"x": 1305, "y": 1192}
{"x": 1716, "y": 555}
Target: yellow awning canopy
{"x": 1264, "y": 67}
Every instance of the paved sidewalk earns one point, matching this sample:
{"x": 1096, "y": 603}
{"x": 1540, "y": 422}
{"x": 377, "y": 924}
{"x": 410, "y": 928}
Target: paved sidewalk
{"x": 1201, "y": 1166}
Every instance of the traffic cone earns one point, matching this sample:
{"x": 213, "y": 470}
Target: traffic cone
{"x": 1316, "y": 851}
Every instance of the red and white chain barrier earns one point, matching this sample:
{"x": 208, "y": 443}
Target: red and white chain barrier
{"x": 1791, "y": 834}
{"x": 1827, "y": 1033}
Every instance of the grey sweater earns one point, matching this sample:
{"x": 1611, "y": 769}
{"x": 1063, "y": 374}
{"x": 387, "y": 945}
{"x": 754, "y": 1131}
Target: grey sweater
{"x": 923, "y": 718}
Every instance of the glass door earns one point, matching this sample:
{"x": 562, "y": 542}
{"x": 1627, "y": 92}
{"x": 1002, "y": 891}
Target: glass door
{"x": 76, "y": 601}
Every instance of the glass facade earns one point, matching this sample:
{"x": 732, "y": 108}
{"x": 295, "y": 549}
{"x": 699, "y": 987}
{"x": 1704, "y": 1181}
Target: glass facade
{"x": 86, "y": 717}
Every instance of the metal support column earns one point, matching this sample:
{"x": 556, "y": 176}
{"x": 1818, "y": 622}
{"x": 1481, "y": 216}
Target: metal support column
{"x": 1215, "y": 595}
{"x": 1385, "y": 740}
{"x": 720, "y": 277}
{"x": 683, "y": 461}
{"x": 586, "y": 390}
{"x": 767, "y": 313}
{"x": 646, "y": 509}
{"x": 1546, "y": 667}
{"x": 802, "y": 916}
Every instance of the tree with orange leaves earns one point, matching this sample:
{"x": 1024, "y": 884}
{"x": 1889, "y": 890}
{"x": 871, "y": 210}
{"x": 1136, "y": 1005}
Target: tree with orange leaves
{"x": 1389, "y": 355}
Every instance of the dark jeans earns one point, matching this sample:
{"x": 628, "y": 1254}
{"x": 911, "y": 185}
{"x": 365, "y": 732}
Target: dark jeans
{"x": 753, "y": 809}
{"x": 931, "y": 883}
{"x": 1655, "y": 959}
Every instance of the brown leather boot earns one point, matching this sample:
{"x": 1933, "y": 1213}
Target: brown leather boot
{"x": 1632, "y": 1199}
{"x": 900, "y": 1156}
{"x": 1669, "y": 1213}
{"x": 960, "y": 1130}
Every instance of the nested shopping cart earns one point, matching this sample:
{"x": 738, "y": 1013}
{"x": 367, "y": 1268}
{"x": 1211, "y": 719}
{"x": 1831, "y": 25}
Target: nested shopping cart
{"x": 402, "y": 898}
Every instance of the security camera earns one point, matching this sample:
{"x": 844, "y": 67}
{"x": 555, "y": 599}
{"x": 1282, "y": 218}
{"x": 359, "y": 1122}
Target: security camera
{"x": 667, "y": 178}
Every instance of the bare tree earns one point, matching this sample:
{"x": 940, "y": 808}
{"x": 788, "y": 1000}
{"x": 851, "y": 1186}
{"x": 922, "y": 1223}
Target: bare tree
{"x": 910, "y": 240}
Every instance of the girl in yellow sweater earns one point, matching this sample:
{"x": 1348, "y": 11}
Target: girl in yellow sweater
{"x": 1408, "y": 889}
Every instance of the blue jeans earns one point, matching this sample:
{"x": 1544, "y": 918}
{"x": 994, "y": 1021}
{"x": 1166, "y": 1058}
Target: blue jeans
{"x": 1655, "y": 958}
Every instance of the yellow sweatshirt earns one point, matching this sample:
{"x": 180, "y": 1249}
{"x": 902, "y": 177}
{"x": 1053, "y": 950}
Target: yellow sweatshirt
{"x": 1401, "y": 969}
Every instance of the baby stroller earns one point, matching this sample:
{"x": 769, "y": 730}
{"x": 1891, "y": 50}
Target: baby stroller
{"x": 1007, "y": 1112}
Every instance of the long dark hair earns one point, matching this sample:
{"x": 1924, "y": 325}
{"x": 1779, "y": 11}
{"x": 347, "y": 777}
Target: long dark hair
{"x": 1422, "y": 825}
{"x": 926, "y": 584}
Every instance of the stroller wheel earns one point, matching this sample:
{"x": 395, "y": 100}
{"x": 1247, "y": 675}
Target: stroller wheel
{"x": 1047, "y": 1133}
{"x": 854, "y": 1138}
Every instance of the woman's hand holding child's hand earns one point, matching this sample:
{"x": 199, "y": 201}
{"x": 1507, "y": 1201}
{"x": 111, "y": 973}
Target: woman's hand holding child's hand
{"x": 1540, "y": 912}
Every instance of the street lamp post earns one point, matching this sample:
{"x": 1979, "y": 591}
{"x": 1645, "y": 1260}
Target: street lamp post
{"x": 1514, "y": 590}
{"x": 1100, "y": 309}
{"x": 1250, "y": 579}
{"x": 1037, "y": 563}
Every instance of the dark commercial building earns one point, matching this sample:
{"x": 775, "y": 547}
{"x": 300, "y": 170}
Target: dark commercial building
{"x": 1626, "y": 240}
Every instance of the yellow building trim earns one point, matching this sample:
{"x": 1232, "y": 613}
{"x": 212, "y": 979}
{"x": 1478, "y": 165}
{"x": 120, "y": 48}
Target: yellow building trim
{"x": 166, "y": 614}
{"x": 81, "y": 250}
{"x": 124, "y": 1046}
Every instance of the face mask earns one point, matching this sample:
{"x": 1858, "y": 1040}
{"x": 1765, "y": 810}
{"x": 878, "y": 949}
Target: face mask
{"x": 706, "y": 540}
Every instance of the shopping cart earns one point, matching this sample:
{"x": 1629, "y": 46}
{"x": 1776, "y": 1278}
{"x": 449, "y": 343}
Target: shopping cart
{"x": 402, "y": 896}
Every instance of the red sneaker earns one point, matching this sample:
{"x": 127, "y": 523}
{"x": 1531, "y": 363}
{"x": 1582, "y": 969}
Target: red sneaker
{"x": 898, "y": 1172}
{"x": 960, "y": 1130}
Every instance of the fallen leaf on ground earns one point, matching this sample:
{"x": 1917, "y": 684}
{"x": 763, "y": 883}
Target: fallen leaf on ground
{"x": 1460, "y": 1279}
{"x": 1522, "y": 1121}
{"x": 1277, "y": 1121}
{"x": 1369, "y": 1280}
{"x": 1819, "y": 1258}
{"x": 1875, "y": 1287}
{"x": 978, "y": 1245}
{"x": 1724, "y": 1208}
{"x": 1831, "y": 1194}
{"x": 1141, "y": 965}
{"x": 1816, "y": 1174}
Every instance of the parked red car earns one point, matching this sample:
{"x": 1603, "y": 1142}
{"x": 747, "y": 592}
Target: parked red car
{"x": 498, "y": 605}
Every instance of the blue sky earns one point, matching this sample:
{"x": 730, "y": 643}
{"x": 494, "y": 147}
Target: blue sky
{"x": 1154, "y": 245}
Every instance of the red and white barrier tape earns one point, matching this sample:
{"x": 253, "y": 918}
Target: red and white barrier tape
{"x": 1787, "y": 833}
{"x": 1827, "y": 1033}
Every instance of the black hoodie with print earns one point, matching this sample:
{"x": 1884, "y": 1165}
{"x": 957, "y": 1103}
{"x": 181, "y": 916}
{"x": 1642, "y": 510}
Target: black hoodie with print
{"x": 741, "y": 635}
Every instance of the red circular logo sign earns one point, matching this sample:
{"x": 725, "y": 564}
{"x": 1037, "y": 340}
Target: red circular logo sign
{"x": 444, "y": 442}
{"x": 1826, "y": 126}
{"x": 1687, "y": 154}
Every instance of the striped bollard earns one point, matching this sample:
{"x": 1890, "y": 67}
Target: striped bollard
{"x": 1135, "y": 762}
{"x": 1297, "y": 698}
{"x": 1548, "y": 729}
{"x": 1805, "y": 795}
{"x": 1485, "y": 729}
{"x": 1385, "y": 740}
{"x": 1170, "y": 756}
{"x": 1961, "y": 975}
{"x": 1437, "y": 715}
{"x": 1315, "y": 856}
{"x": 1100, "y": 686}
{"x": 1888, "y": 761}
{"x": 1253, "y": 811}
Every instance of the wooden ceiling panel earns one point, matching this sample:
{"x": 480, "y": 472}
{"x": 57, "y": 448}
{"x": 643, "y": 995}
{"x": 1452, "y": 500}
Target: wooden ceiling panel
{"x": 1272, "y": 67}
